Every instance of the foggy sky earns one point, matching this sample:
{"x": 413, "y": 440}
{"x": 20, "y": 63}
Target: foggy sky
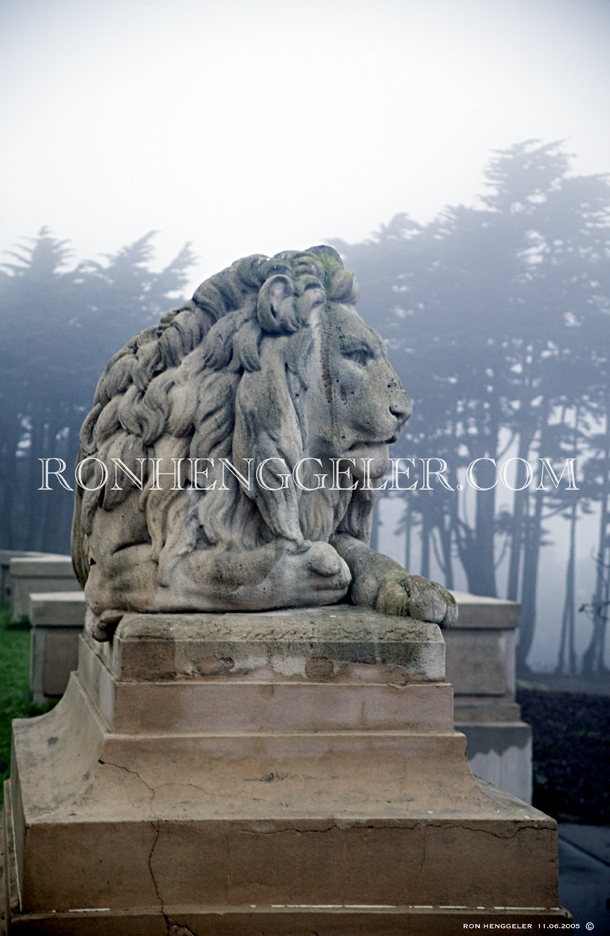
{"x": 260, "y": 125}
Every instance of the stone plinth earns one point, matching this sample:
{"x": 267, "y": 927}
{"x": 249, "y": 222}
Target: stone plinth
{"x": 270, "y": 773}
{"x": 481, "y": 668}
{"x": 44, "y": 573}
{"x": 5, "y": 566}
{"x": 57, "y": 620}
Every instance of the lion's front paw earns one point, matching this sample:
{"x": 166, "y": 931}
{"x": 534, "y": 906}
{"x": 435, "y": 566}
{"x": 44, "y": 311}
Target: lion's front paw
{"x": 315, "y": 576}
{"x": 102, "y": 627}
{"x": 413, "y": 596}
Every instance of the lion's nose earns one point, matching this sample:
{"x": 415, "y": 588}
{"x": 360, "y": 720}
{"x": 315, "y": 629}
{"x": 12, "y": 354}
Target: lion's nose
{"x": 402, "y": 409}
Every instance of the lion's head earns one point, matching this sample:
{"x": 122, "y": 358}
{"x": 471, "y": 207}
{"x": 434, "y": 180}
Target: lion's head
{"x": 269, "y": 362}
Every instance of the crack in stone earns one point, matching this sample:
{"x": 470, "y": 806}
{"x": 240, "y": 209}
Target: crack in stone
{"x": 355, "y": 824}
{"x": 282, "y": 831}
{"x": 508, "y": 834}
{"x": 230, "y": 864}
{"x": 157, "y": 829}
{"x": 172, "y": 929}
{"x": 177, "y": 783}
{"x": 178, "y": 929}
{"x": 173, "y": 783}
{"x": 423, "y": 854}
{"x": 130, "y": 771}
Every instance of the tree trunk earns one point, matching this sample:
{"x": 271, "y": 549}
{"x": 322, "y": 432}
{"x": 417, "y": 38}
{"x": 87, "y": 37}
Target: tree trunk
{"x": 516, "y": 547}
{"x": 530, "y": 583}
{"x": 476, "y": 546}
{"x": 8, "y": 473}
{"x": 425, "y": 545}
{"x": 485, "y": 532}
{"x": 445, "y": 558}
{"x": 593, "y": 658}
{"x": 566, "y": 662}
{"x": 36, "y": 507}
{"x": 408, "y": 527}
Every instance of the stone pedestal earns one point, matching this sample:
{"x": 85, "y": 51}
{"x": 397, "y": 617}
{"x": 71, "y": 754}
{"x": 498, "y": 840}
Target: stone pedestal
{"x": 57, "y": 620}
{"x": 5, "y": 567}
{"x": 481, "y": 669}
{"x": 42, "y": 573}
{"x": 288, "y": 772}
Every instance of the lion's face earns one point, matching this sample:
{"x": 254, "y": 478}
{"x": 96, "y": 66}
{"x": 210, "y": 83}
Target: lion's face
{"x": 356, "y": 404}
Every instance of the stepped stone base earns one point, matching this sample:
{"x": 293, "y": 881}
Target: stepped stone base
{"x": 280, "y": 773}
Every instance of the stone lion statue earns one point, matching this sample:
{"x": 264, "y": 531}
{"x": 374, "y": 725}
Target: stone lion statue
{"x": 269, "y": 364}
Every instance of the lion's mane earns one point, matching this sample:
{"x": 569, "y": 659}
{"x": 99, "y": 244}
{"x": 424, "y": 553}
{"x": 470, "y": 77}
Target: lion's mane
{"x": 173, "y": 392}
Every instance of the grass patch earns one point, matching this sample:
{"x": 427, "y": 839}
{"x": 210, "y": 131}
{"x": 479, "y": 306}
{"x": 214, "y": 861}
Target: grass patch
{"x": 15, "y": 696}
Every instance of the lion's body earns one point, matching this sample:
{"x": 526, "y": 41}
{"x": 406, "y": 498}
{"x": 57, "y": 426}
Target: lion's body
{"x": 269, "y": 361}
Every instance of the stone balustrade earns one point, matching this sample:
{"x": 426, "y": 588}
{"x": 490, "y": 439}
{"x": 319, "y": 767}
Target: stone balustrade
{"x": 38, "y": 573}
{"x": 57, "y": 620}
{"x": 480, "y": 664}
{"x": 5, "y": 568}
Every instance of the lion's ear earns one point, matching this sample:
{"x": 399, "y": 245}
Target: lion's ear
{"x": 276, "y": 309}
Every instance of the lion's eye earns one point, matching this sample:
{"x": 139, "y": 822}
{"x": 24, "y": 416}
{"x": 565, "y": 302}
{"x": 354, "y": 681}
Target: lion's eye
{"x": 359, "y": 356}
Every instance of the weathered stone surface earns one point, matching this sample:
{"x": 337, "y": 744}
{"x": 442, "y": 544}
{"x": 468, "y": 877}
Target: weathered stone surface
{"x": 480, "y": 654}
{"x": 501, "y": 752}
{"x": 276, "y": 644}
{"x": 5, "y": 567}
{"x": 482, "y": 612}
{"x": 477, "y": 661}
{"x": 42, "y": 573}
{"x": 57, "y": 620}
{"x": 212, "y": 799}
{"x": 317, "y": 669}
{"x": 270, "y": 367}
{"x": 57, "y": 609}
